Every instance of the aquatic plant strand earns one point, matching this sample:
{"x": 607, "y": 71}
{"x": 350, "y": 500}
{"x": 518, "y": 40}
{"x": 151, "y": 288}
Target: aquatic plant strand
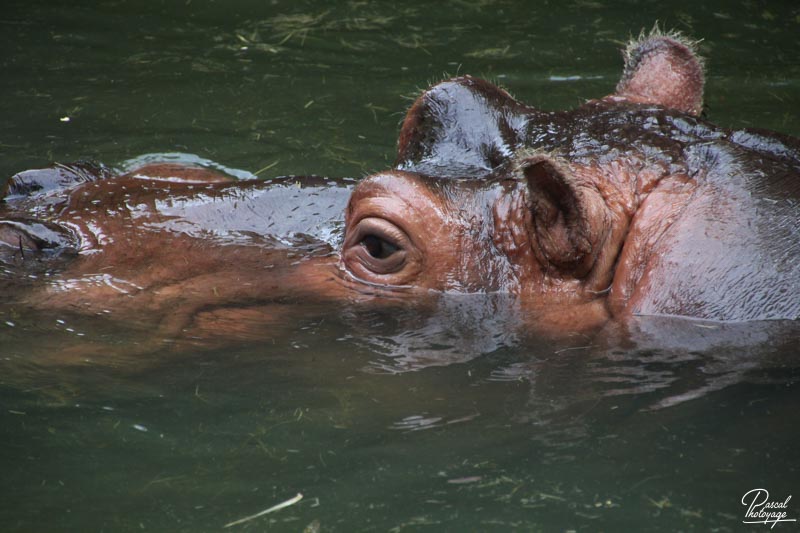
{"x": 272, "y": 509}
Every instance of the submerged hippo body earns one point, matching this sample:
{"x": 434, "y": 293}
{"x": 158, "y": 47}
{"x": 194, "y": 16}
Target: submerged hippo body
{"x": 175, "y": 247}
{"x": 630, "y": 204}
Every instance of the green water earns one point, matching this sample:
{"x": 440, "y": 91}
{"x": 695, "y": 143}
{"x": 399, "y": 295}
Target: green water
{"x": 449, "y": 420}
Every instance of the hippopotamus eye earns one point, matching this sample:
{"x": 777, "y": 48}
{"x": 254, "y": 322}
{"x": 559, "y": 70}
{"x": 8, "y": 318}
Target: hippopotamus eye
{"x": 377, "y": 247}
{"x": 378, "y": 250}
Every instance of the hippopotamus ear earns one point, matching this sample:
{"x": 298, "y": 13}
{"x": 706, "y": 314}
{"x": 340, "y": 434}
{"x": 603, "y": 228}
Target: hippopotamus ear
{"x": 568, "y": 218}
{"x": 664, "y": 69}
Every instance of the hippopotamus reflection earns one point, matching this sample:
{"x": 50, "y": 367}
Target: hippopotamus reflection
{"x": 628, "y": 205}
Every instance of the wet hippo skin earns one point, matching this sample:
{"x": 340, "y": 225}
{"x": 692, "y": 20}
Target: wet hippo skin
{"x": 631, "y": 204}
{"x": 183, "y": 250}
{"x": 633, "y": 198}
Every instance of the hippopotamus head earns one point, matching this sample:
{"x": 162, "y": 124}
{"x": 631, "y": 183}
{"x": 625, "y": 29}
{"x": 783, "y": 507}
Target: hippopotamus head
{"x": 623, "y": 205}
{"x": 536, "y": 228}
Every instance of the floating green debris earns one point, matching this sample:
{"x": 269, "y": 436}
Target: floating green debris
{"x": 269, "y": 35}
{"x": 413, "y": 41}
{"x": 661, "y": 504}
{"x": 492, "y": 53}
{"x": 272, "y": 509}
{"x": 589, "y": 4}
{"x": 299, "y": 25}
{"x": 477, "y": 5}
{"x": 263, "y": 169}
{"x": 375, "y": 22}
{"x": 374, "y": 109}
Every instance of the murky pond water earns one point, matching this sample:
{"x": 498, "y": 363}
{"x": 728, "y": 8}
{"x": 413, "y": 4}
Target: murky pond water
{"x": 443, "y": 417}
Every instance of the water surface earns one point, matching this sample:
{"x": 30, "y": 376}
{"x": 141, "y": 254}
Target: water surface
{"x": 449, "y": 417}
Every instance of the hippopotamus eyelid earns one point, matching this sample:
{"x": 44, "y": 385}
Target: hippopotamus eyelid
{"x": 381, "y": 228}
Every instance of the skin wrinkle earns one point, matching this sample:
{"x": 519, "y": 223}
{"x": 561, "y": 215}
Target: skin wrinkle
{"x": 641, "y": 246}
{"x": 510, "y": 219}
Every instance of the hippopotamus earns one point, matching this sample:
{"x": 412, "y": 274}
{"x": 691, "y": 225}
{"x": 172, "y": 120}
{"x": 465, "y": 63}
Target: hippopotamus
{"x": 630, "y": 204}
